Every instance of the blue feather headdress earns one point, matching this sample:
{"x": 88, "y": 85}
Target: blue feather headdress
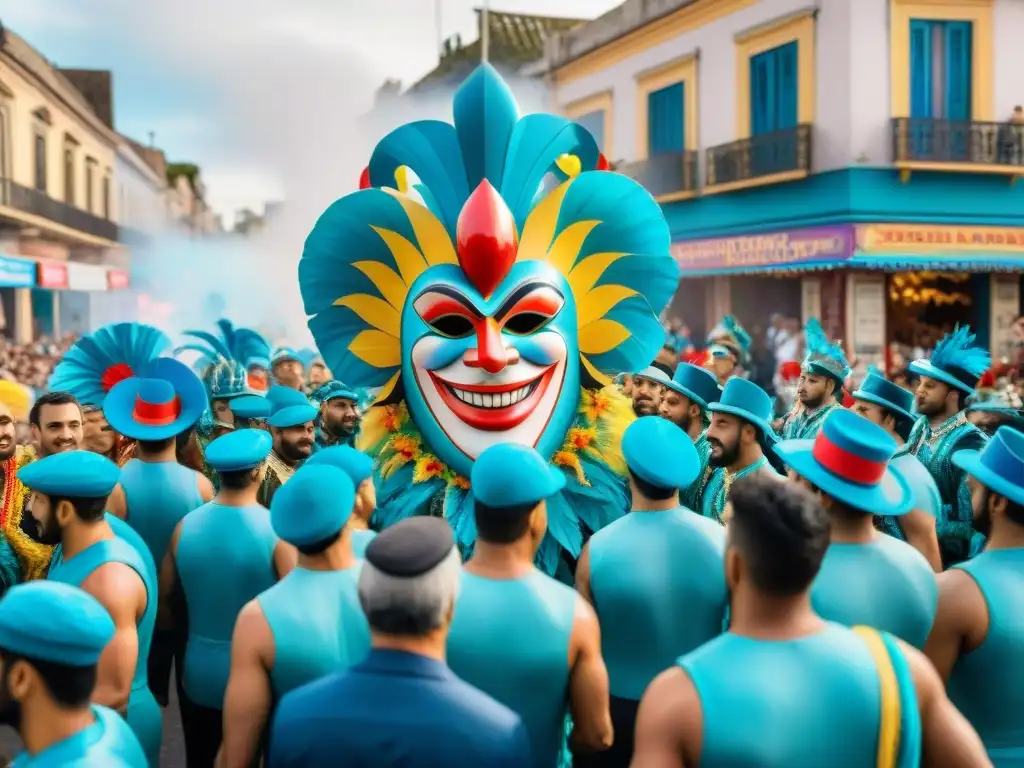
{"x": 101, "y": 359}
{"x": 956, "y": 362}
{"x": 730, "y": 334}
{"x": 823, "y": 356}
{"x": 243, "y": 345}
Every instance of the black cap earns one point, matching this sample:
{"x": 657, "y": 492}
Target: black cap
{"x": 411, "y": 547}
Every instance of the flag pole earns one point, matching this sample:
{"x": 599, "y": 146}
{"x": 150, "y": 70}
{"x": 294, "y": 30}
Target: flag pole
{"x": 485, "y": 32}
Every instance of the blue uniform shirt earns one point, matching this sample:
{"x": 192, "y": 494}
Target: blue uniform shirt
{"x": 109, "y": 742}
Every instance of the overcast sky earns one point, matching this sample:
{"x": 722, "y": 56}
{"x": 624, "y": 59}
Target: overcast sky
{"x": 249, "y": 89}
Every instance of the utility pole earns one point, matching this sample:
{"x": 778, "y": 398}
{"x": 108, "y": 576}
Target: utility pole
{"x": 439, "y": 23}
{"x": 485, "y": 32}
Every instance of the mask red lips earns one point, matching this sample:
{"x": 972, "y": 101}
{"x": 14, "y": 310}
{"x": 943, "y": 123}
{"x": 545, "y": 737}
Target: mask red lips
{"x": 493, "y": 407}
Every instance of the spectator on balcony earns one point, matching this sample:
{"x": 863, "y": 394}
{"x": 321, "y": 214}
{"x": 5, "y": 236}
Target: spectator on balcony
{"x": 1011, "y": 138}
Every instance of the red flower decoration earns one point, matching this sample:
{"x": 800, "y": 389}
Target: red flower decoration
{"x": 114, "y": 375}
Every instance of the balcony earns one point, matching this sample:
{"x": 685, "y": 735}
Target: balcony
{"x": 928, "y": 144}
{"x": 36, "y": 203}
{"x": 670, "y": 176}
{"x": 770, "y": 158}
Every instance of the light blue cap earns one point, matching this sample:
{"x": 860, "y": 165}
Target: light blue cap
{"x": 289, "y": 407}
{"x": 238, "y": 450}
{"x": 313, "y": 505}
{"x": 251, "y": 407}
{"x": 279, "y": 395}
{"x": 72, "y": 474}
{"x": 512, "y": 475}
{"x": 660, "y": 453}
{"x": 356, "y": 464}
{"x": 54, "y": 622}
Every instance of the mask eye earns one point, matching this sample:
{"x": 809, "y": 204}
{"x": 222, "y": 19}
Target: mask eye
{"x": 531, "y": 311}
{"x": 525, "y": 323}
{"x": 453, "y": 326}
{"x": 445, "y": 315}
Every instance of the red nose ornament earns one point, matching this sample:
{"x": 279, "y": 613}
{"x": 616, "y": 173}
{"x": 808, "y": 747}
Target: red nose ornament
{"x": 603, "y": 164}
{"x": 486, "y": 239}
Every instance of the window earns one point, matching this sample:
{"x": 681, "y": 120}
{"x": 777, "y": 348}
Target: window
{"x": 69, "y": 175}
{"x": 594, "y": 122}
{"x": 666, "y": 120}
{"x": 774, "y": 89}
{"x": 5, "y": 143}
{"x": 40, "y": 162}
{"x": 90, "y": 183}
{"x": 940, "y": 69}
{"x": 106, "y": 196}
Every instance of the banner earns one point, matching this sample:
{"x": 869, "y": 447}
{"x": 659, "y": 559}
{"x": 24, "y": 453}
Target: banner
{"x": 117, "y": 279}
{"x": 86, "y": 277}
{"x": 923, "y": 238}
{"x": 799, "y": 246}
{"x": 53, "y": 275}
{"x": 17, "y": 273}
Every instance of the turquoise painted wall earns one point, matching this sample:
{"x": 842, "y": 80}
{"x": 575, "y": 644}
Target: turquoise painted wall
{"x": 852, "y": 195}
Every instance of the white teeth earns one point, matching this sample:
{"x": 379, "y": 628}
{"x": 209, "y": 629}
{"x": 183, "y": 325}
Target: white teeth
{"x": 500, "y": 400}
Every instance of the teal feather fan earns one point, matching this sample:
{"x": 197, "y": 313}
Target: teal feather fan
{"x": 956, "y": 351}
{"x": 243, "y": 345}
{"x": 823, "y": 354}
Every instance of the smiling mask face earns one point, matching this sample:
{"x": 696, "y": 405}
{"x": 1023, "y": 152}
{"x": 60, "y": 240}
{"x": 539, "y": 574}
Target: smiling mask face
{"x": 484, "y": 371}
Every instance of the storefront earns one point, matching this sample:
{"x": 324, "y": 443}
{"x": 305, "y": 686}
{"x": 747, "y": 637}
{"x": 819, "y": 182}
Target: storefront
{"x": 51, "y": 279}
{"x": 76, "y": 303}
{"x": 884, "y": 288}
{"x": 17, "y": 278}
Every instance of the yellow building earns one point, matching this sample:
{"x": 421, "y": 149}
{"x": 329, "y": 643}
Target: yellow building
{"x": 58, "y": 201}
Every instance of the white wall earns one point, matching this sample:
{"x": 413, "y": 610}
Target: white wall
{"x": 141, "y": 200}
{"x": 1008, "y": 42}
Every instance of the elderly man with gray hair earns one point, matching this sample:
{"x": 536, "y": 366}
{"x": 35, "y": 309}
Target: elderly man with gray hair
{"x": 402, "y": 706}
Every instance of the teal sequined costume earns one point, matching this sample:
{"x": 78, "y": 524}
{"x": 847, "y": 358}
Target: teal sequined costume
{"x": 716, "y": 489}
{"x": 804, "y": 424}
{"x": 690, "y": 498}
{"x": 824, "y": 358}
{"x": 916, "y": 445}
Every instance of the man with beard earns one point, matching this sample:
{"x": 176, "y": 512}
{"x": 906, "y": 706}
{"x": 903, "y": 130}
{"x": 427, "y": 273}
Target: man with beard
{"x": 51, "y": 640}
{"x": 867, "y": 578}
{"x": 287, "y": 369}
{"x": 978, "y": 641}
{"x": 740, "y": 434}
{"x": 647, "y": 389}
{"x": 69, "y": 495}
{"x": 291, "y": 427}
{"x": 782, "y": 687}
{"x": 339, "y": 415}
{"x": 156, "y": 491}
{"x": 948, "y": 378}
{"x": 685, "y": 403}
{"x": 819, "y": 391}
{"x": 636, "y": 598}
{"x": 890, "y": 407}
{"x": 56, "y": 420}
{"x": 251, "y": 411}
{"x": 319, "y": 374}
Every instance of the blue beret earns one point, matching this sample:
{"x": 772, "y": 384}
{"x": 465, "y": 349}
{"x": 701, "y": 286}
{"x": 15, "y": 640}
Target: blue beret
{"x": 313, "y": 505}
{"x": 510, "y": 475}
{"x": 280, "y": 396}
{"x": 356, "y": 464}
{"x": 332, "y": 390}
{"x": 251, "y": 407}
{"x": 241, "y": 449}
{"x": 411, "y": 547}
{"x": 292, "y": 415}
{"x": 660, "y": 453}
{"x": 74, "y": 474}
{"x": 55, "y": 622}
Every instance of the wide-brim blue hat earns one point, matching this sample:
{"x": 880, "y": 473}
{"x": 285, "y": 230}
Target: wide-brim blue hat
{"x": 696, "y": 383}
{"x": 999, "y": 466}
{"x": 923, "y": 367}
{"x": 882, "y": 392}
{"x": 163, "y": 401}
{"x": 747, "y": 401}
{"x": 849, "y": 461}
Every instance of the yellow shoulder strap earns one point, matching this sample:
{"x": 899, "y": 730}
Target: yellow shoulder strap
{"x": 889, "y": 730}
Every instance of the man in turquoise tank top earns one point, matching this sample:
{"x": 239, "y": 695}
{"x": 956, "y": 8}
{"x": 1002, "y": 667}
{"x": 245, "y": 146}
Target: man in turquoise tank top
{"x": 867, "y": 578}
{"x": 359, "y": 468}
{"x": 820, "y": 388}
{"x": 977, "y": 644}
{"x": 155, "y": 491}
{"x": 740, "y": 435}
{"x": 785, "y": 688}
{"x": 655, "y": 576}
{"x": 222, "y": 555}
{"x": 519, "y": 635}
{"x": 891, "y": 407}
{"x": 51, "y": 639}
{"x": 685, "y": 403}
{"x": 291, "y": 425}
{"x": 308, "y": 625}
{"x": 69, "y": 494}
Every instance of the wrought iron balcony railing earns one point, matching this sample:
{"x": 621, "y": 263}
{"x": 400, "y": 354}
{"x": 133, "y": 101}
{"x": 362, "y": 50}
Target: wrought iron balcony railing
{"x": 663, "y": 175}
{"x": 38, "y": 203}
{"x": 928, "y": 140}
{"x": 769, "y": 154}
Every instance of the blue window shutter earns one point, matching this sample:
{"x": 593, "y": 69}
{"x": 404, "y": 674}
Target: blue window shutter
{"x": 666, "y": 131}
{"x": 788, "y": 94}
{"x": 761, "y": 94}
{"x": 958, "y": 70}
{"x": 920, "y": 68}
{"x": 594, "y": 122}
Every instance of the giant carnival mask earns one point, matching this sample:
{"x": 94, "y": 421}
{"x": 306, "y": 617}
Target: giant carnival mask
{"x": 487, "y": 275}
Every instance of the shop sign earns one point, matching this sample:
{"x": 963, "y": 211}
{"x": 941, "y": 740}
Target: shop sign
{"x": 86, "y": 277}
{"x": 918, "y": 238}
{"x": 772, "y": 249}
{"x": 53, "y": 275}
{"x": 17, "y": 273}
{"x": 117, "y": 279}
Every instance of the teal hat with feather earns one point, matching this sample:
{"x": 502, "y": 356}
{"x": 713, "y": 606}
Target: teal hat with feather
{"x": 824, "y": 357}
{"x": 244, "y": 345}
{"x": 956, "y": 361}
{"x": 731, "y": 335}
{"x": 283, "y": 354}
{"x": 99, "y": 360}
{"x": 226, "y": 379}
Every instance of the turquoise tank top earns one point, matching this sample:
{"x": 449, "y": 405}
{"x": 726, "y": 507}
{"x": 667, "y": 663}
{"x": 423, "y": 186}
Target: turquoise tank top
{"x": 225, "y": 558}
{"x": 814, "y": 701}
{"x": 158, "y": 496}
{"x": 122, "y": 530}
{"x": 360, "y": 540}
{"x": 885, "y": 584}
{"x": 108, "y": 742}
{"x": 318, "y": 626}
{"x": 144, "y": 714}
{"x": 668, "y": 600}
{"x": 510, "y": 638}
{"x": 987, "y": 684}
